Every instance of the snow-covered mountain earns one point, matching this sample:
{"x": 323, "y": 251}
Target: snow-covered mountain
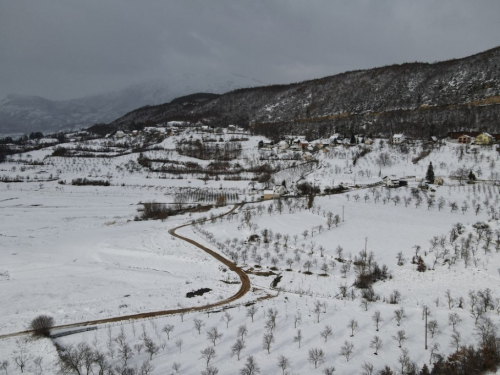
{"x": 418, "y": 99}
{"x": 23, "y": 114}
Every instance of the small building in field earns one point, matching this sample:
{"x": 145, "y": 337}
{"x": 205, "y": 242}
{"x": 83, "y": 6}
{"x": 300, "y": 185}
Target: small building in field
{"x": 398, "y": 138}
{"x": 484, "y": 139}
{"x": 388, "y": 182}
{"x": 282, "y": 145}
{"x": 438, "y": 181}
{"x": 302, "y": 143}
{"x": 267, "y": 194}
{"x": 465, "y": 139}
{"x": 278, "y": 191}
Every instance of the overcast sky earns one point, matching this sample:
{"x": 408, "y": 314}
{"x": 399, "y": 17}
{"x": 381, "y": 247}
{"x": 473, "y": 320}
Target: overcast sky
{"x": 63, "y": 49}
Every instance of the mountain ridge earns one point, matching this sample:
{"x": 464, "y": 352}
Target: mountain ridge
{"x": 26, "y": 113}
{"x": 437, "y": 96}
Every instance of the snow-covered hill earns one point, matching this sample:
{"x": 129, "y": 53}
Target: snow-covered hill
{"x": 23, "y": 114}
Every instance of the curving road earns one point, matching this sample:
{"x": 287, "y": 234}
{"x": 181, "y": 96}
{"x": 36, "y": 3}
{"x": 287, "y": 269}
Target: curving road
{"x": 245, "y": 287}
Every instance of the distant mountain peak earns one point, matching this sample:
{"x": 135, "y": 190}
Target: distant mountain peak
{"x": 27, "y": 113}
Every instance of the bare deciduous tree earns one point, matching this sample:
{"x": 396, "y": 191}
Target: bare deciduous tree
{"x": 283, "y": 363}
{"x": 453, "y": 320}
{"x": 297, "y": 319}
{"x": 208, "y": 354}
{"x": 213, "y": 335}
{"x": 242, "y": 331}
{"x": 433, "y": 352}
{"x": 353, "y": 326}
{"x": 125, "y": 352}
{"x": 364, "y": 304}
{"x": 376, "y": 344}
{"x": 326, "y": 333}
{"x": 347, "y": 349}
{"x": 146, "y": 369}
{"x": 176, "y": 366}
{"x": 236, "y": 349}
{"x": 168, "y": 329}
{"x": 399, "y": 315}
{"x": 72, "y": 358}
{"x": 21, "y": 356}
{"x": 251, "y": 311}
{"x": 455, "y": 340}
{"x": 433, "y": 328}
{"x": 485, "y": 330}
{"x": 227, "y": 318}
{"x": 367, "y": 368}
{"x": 179, "y": 343}
{"x": 377, "y": 319}
{"x": 316, "y": 357}
{"x": 198, "y": 325}
{"x": 317, "y": 310}
{"x": 400, "y": 337}
{"x": 4, "y": 365}
{"x": 267, "y": 341}
{"x": 250, "y": 368}
{"x": 151, "y": 346}
{"x": 211, "y": 370}
{"x": 449, "y": 298}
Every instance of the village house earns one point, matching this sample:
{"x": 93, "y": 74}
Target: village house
{"x": 398, "y": 139}
{"x": 302, "y": 143}
{"x": 282, "y": 145}
{"x": 438, "y": 181}
{"x": 307, "y": 156}
{"x": 484, "y": 139}
{"x": 465, "y": 139}
{"x": 276, "y": 192}
{"x": 388, "y": 182}
{"x": 267, "y": 194}
{"x": 321, "y": 143}
{"x": 279, "y": 190}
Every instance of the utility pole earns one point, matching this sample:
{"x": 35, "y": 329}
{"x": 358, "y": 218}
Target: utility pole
{"x": 425, "y": 327}
{"x": 366, "y": 241}
{"x": 342, "y": 213}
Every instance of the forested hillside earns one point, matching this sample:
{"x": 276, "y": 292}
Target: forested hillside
{"x": 420, "y": 99}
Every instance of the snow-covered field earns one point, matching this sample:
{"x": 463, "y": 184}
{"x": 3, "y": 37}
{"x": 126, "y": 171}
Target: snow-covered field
{"x": 77, "y": 254}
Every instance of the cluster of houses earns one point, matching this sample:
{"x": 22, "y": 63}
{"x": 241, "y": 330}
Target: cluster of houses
{"x": 474, "y": 138}
{"x": 218, "y": 130}
{"x": 297, "y": 144}
{"x": 161, "y": 130}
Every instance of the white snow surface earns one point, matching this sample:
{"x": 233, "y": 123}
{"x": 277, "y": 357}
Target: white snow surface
{"x": 76, "y": 253}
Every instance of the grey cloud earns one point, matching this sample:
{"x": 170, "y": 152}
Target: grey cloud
{"x": 62, "y": 49}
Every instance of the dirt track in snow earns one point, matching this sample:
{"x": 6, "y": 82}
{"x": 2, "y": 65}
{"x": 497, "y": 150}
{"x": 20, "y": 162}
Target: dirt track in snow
{"x": 245, "y": 287}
